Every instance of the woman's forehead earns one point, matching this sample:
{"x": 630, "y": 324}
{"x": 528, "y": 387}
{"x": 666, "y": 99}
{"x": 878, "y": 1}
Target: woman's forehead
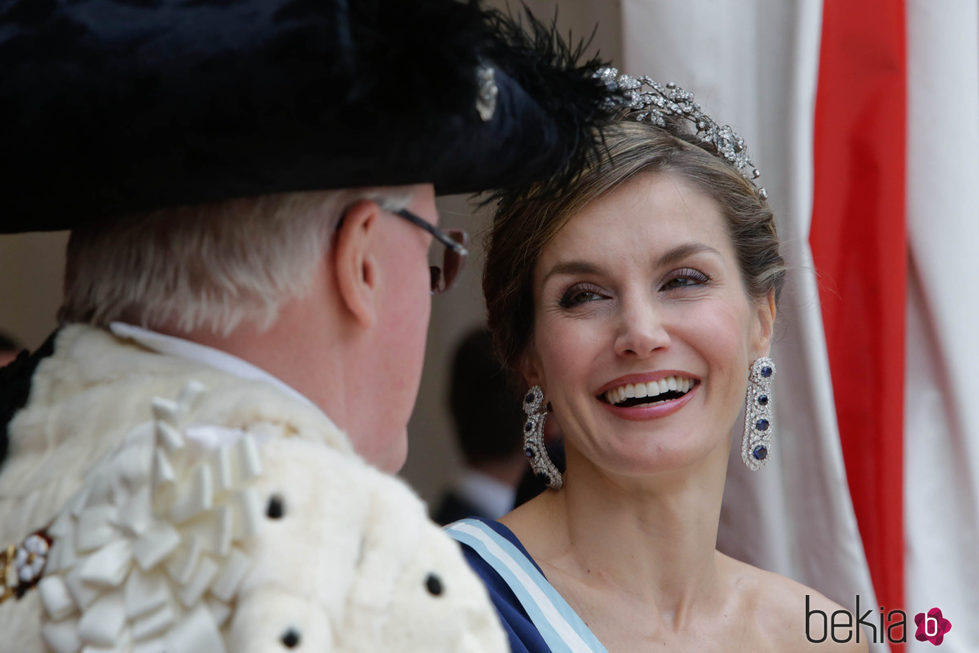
{"x": 651, "y": 212}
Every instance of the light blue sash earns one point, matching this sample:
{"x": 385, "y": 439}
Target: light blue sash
{"x": 559, "y": 625}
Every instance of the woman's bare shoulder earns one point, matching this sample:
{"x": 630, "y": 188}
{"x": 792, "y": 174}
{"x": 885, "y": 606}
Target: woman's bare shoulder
{"x": 793, "y": 616}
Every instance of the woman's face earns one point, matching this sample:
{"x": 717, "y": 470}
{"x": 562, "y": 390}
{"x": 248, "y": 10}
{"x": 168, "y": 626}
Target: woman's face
{"x": 640, "y": 294}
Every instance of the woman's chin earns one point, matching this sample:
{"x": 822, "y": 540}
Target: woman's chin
{"x": 650, "y": 459}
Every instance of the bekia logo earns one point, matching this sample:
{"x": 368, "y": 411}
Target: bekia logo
{"x": 932, "y": 626}
{"x": 844, "y": 626}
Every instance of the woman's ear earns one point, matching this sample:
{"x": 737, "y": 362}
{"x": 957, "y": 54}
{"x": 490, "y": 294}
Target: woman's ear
{"x": 529, "y": 367}
{"x": 355, "y": 261}
{"x": 765, "y": 312}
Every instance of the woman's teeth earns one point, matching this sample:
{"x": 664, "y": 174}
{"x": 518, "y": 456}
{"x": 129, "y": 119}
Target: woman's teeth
{"x": 669, "y": 387}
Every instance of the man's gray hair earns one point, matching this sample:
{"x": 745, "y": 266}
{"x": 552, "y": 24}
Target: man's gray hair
{"x": 207, "y": 266}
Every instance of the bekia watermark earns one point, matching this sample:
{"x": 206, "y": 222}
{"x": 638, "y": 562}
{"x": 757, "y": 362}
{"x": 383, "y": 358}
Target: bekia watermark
{"x": 932, "y": 626}
{"x": 843, "y": 626}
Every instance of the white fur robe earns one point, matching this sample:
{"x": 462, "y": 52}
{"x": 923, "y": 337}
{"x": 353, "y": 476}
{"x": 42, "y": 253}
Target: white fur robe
{"x": 274, "y": 535}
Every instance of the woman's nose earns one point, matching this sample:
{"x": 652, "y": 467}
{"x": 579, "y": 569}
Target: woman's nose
{"x": 641, "y": 329}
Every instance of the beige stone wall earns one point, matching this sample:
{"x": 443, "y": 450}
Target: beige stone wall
{"x": 31, "y": 267}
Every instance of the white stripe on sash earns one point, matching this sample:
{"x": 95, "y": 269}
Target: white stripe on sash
{"x": 559, "y": 625}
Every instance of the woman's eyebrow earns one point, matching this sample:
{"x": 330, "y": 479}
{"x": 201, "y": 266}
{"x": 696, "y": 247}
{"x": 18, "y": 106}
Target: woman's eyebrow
{"x": 674, "y": 255}
{"x": 572, "y": 267}
{"x": 681, "y": 252}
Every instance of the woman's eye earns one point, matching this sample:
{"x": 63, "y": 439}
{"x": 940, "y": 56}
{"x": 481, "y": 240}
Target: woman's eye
{"x": 685, "y": 278}
{"x": 577, "y": 295}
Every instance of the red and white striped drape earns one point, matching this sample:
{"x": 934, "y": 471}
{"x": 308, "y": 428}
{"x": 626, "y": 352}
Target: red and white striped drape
{"x": 863, "y": 116}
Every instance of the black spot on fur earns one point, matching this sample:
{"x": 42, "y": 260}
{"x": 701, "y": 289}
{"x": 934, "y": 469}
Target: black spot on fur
{"x": 276, "y": 508}
{"x": 434, "y": 585}
{"x": 291, "y": 638}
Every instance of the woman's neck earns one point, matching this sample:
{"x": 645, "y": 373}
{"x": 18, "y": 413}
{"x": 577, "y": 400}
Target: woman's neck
{"x": 651, "y": 540}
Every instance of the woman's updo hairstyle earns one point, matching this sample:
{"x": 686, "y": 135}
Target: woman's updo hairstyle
{"x": 526, "y": 222}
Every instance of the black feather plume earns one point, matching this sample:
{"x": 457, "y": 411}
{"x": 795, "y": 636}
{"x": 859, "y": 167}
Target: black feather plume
{"x": 561, "y": 74}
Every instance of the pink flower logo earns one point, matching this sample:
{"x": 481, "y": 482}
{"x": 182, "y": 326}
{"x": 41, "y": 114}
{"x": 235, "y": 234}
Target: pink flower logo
{"x": 932, "y": 626}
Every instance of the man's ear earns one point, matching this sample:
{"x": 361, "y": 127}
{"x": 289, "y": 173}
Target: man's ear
{"x": 356, "y": 261}
{"x": 765, "y": 311}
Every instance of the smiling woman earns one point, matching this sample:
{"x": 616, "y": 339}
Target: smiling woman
{"x": 655, "y": 297}
{"x": 638, "y": 305}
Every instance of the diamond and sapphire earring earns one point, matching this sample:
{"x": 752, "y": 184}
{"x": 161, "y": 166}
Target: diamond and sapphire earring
{"x": 756, "y": 445}
{"x": 533, "y": 438}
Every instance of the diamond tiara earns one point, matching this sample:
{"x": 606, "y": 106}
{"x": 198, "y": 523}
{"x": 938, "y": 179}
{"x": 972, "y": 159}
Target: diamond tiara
{"x": 649, "y": 101}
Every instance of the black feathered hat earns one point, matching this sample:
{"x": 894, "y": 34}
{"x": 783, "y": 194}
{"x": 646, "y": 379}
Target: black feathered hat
{"x": 110, "y": 107}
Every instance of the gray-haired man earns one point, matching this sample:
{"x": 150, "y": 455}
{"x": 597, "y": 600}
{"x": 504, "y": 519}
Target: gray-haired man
{"x": 195, "y": 457}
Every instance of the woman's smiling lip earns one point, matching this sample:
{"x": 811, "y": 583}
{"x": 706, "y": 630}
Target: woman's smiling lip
{"x": 645, "y": 377}
{"x": 653, "y": 410}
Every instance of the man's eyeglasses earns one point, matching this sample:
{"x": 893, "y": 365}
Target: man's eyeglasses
{"x": 455, "y": 241}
